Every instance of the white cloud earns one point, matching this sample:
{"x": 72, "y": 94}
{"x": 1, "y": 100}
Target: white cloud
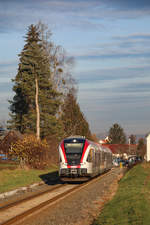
{"x": 5, "y": 79}
{"x": 111, "y": 47}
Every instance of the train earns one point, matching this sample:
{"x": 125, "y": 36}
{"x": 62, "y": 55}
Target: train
{"x": 82, "y": 159}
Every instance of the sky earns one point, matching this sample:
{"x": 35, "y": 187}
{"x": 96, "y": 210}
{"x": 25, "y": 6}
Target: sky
{"x": 110, "y": 42}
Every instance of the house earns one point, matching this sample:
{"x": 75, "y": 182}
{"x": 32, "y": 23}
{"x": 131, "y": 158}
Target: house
{"x": 148, "y": 148}
{"x": 122, "y": 150}
{"x": 104, "y": 141}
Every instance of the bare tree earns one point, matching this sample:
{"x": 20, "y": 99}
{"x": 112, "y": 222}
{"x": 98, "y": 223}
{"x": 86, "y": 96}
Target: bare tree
{"x": 132, "y": 139}
{"x": 60, "y": 64}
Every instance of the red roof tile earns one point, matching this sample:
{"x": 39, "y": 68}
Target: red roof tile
{"x": 121, "y": 148}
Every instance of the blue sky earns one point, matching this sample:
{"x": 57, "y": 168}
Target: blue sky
{"x": 110, "y": 41}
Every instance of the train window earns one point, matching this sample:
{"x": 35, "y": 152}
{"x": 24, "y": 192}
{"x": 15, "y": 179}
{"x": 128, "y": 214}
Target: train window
{"x": 103, "y": 157}
{"x": 74, "y": 148}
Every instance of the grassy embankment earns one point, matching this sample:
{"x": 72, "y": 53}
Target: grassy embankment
{"x": 11, "y": 177}
{"x": 131, "y": 204}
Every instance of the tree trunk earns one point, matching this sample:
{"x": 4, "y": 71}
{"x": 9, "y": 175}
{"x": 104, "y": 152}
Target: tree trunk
{"x": 37, "y": 109}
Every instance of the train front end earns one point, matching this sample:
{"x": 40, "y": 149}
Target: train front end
{"x": 72, "y": 154}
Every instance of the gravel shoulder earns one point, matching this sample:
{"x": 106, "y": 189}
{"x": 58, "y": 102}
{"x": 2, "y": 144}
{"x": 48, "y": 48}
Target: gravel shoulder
{"x": 82, "y": 207}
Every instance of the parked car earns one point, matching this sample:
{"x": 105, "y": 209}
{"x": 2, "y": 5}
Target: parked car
{"x": 117, "y": 161}
{"x": 3, "y": 157}
{"x": 2, "y": 131}
{"x": 123, "y": 162}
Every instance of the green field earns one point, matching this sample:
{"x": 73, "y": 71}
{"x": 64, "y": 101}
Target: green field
{"x": 11, "y": 177}
{"x": 131, "y": 204}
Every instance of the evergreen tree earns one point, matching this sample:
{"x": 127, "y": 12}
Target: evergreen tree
{"x": 35, "y": 103}
{"x": 73, "y": 120}
{"x": 116, "y": 135}
{"x": 132, "y": 139}
{"x": 141, "y": 147}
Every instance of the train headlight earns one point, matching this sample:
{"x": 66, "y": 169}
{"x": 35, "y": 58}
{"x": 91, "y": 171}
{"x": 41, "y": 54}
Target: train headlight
{"x": 64, "y": 171}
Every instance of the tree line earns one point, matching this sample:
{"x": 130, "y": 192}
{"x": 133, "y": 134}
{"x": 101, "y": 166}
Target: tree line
{"x": 116, "y": 135}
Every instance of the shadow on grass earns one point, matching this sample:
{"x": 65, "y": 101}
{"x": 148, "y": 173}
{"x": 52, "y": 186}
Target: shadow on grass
{"x": 51, "y": 178}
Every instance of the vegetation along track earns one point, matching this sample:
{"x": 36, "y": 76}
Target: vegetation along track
{"x": 16, "y": 211}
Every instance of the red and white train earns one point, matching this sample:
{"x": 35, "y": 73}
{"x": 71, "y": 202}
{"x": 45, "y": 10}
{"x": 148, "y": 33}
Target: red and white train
{"x": 82, "y": 159}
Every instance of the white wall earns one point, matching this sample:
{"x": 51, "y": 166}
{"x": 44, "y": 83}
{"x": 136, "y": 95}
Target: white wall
{"x": 148, "y": 148}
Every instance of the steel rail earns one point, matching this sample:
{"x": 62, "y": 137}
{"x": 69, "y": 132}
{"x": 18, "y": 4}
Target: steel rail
{"x": 49, "y": 202}
{"x": 15, "y": 203}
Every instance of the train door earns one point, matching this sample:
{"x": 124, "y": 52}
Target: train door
{"x": 105, "y": 160}
{"x": 93, "y": 162}
{"x": 97, "y": 160}
{"x": 90, "y": 160}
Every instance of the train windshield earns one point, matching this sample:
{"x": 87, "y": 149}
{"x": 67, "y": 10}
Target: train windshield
{"x": 75, "y": 148}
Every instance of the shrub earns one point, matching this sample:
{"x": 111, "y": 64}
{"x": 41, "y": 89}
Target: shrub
{"x": 30, "y": 152}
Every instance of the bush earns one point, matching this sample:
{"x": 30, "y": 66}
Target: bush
{"x": 30, "y": 152}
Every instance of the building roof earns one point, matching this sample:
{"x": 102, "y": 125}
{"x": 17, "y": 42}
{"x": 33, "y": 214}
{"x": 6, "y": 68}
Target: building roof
{"x": 121, "y": 148}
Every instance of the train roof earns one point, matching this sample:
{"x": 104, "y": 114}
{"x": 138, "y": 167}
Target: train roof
{"x": 74, "y": 138}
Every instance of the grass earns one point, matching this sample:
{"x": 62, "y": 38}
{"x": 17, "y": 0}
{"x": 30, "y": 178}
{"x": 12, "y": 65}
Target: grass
{"x": 8, "y": 165}
{"x": 131, "y": 204}
{"x": 12, "y": 179}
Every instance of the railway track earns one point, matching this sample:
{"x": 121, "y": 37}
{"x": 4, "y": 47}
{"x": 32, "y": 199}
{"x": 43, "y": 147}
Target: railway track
{"x": 17, "y": 211}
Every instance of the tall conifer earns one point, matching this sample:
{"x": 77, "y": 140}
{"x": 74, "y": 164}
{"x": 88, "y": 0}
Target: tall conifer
{"x": 35, "y": 104}
{"x": 74, "y": 122}
{"x": 116, "y": 134}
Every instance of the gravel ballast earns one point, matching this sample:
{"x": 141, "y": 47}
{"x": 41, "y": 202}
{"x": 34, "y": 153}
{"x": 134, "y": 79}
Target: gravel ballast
{"x": 82, "y": 207}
